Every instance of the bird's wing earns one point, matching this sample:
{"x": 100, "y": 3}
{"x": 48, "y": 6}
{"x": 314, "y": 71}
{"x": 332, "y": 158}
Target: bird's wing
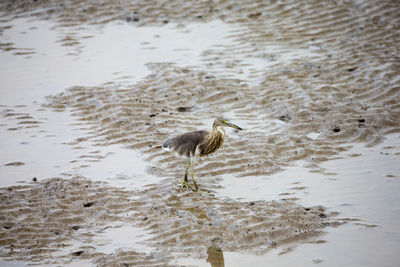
{"x": 185, "y": 144}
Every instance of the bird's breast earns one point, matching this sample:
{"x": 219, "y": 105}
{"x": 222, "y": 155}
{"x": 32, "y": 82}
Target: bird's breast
{"x": 210, "y": 145}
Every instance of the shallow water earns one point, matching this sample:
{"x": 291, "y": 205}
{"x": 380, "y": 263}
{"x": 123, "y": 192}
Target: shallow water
{"x": 89, "y": 95}
{"x": 62, "y": 66}
{"x": 362, "y": 186}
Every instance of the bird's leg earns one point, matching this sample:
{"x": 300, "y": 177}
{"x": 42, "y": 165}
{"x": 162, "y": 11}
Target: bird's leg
{"x": 186, "y": 172}
{"x": 196, "y": 188}
{"x": 192, "y": 173}
{"x": 185, "y": 180}
{"x": 185, "y": 183}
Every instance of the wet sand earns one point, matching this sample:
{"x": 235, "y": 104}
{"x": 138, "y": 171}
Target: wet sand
{"x": 91, "y": 90}
{"x": 61, "y": 219}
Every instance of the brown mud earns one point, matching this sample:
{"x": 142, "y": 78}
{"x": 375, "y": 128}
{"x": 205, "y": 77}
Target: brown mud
{"x": 347, "y": 91}
{"x": 56, "y": 221}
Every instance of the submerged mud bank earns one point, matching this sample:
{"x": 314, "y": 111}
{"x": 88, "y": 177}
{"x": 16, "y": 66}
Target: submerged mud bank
{"x": 57, "y": 221}
{"x": 280, "y": 125}
{"x": 303, "y": 85}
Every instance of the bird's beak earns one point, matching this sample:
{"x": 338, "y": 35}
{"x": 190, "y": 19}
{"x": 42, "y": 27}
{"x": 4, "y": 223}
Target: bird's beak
{"x": 227, "y": 123}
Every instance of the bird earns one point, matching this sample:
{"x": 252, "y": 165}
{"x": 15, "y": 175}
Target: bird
{"x": 192, "y": 145}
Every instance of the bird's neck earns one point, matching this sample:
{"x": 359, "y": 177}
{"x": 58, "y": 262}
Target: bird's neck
{"x": 218, "y": 131}
{"x": 214, "y": 140}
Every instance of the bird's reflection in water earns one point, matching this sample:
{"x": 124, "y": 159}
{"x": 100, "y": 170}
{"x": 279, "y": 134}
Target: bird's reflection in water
{"x": 215, "y": 257}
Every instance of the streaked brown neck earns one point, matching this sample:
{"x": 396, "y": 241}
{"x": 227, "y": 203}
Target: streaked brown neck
{"x": 213, "y": 141}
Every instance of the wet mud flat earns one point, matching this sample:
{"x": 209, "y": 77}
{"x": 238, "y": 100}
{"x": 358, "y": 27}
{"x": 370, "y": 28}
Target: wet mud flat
{"x": 56, "y": 221}
{"x": 306, "y": 80}
{"x": 304, "y": 86}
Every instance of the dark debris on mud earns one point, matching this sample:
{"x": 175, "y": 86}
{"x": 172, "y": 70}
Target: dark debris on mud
{"x": 50, "y": 222}
{"x": 143, "y": 116}
{"x": 347, "y": 91}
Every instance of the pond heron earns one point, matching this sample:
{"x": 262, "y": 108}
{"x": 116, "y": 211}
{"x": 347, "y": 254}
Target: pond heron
{"x": 197, "y": 144}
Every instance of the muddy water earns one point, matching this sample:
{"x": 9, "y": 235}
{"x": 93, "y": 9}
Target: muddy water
{"x": 91, "y": 90}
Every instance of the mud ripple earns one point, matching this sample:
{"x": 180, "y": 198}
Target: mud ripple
{"x": 57, "y": 221}
{"x": 326, "y": 74}
{"x": 280, "y": 123}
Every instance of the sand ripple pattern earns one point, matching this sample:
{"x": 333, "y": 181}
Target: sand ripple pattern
{"x": 57, "y": 221}
{"x": 279, "y": 122}
{"x": 344, "y": 88}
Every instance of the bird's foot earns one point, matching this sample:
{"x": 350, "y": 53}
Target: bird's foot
{"x": 198, "y": 190}
{"x": 186, "y": 185}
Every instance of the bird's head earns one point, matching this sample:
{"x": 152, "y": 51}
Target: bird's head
{"x": 220, "y": 121}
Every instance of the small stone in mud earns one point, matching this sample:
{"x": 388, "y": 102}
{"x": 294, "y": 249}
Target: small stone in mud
{"x": 7, "y": 225}
{"x": 316, "y": 261}
{"x": 17, "y": 163}
{"x": 89, "y": 204}
{"x": 130, "y": 18}
{"x": 152, "y": 115}
{"x": 77, "y": 253}
{"x": 336, "y": 129}
{"x": 254, "y": 15}
{"x": 184, "y": 109}
{"x": 285, "y": 118}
